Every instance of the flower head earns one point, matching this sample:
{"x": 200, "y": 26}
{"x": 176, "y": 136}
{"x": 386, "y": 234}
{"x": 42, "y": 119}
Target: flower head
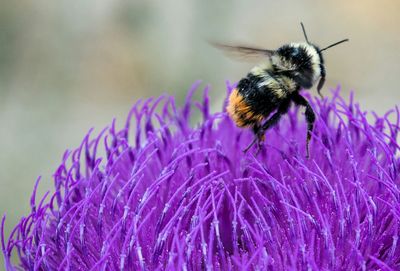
{"x": 168, "y": 195}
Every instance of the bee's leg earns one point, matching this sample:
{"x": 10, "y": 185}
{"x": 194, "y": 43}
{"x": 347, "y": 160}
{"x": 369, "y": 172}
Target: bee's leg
{"x": 259, "y": 147}
{"x": 260, "y": 130}
{"x": 310, "y": 117}
{"x": 259, "y": 136}
{"x": 320, "y": 85}
{"x": 272, "y": 121}
{"x": 256, "y": 128}
{"x": 250, "y": 145}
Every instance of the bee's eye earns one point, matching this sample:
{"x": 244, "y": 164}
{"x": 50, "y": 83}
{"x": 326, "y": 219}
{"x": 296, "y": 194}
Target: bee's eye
{"x": 294, "y": 52}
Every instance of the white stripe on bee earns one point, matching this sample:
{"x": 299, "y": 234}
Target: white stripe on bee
{"x": 260, "y": 70}
{"x": 282, "y": 63}
{"x": 274, "y": 86}
{"x": 289, "y": 84}
{"x": 279, "y": 92}
{"x": 314, "y": 58}
{"x": 315, "y": 61}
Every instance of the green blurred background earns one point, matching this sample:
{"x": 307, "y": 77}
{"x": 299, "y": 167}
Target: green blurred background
{"x": 67, "y": 66}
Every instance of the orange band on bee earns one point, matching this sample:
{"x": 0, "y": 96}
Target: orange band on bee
{"x": 240, "y": 111}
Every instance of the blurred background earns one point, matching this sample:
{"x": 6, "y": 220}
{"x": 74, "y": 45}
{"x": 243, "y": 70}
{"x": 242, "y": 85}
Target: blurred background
{"x": 67, "y": 66}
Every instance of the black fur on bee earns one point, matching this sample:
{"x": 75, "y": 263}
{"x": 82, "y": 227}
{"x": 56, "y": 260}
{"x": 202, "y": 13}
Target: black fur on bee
{"x": 272, "y": 87}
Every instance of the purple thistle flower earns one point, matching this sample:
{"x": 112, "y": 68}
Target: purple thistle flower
{"x": 165, "y": 195}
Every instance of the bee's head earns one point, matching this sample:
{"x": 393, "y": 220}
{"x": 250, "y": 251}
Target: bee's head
{"x": 303, "y": 61}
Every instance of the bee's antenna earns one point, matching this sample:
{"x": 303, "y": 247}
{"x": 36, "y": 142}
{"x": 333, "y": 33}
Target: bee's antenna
{"x": 304, "y": 32}
{"x": 336, "y": 43}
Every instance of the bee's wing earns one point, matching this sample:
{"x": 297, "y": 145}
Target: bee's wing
{"x": 243, "y": 51}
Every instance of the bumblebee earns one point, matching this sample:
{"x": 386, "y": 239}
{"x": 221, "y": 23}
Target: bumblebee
{"x": 272, "y": 86}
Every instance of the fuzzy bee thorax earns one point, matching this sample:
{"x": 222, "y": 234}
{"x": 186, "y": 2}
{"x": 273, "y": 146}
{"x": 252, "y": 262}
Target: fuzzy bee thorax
{"x": 301, "y": 60}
